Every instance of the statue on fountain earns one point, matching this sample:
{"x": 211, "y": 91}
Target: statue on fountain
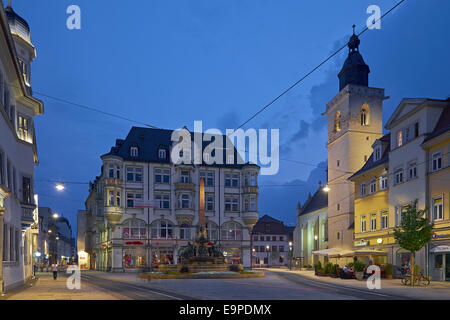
{"x": 201, "y": 251}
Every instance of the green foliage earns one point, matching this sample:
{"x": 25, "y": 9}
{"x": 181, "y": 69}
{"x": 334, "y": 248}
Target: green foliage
{"x": 318, "y": 266}
{"x": 184, "y": 269}
{"x": 236, "y": 267}
{"x": 416, "y": 269}
{"x": 334, "y": 269}
{"x": 350, "y": 265}
{"x": 414, "y": 230}
{"x": 327, "y": 268}
{"x": 359, "y": 266}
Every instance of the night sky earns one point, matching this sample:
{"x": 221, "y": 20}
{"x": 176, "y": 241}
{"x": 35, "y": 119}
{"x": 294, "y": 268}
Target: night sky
{"x": 168, "y": 63}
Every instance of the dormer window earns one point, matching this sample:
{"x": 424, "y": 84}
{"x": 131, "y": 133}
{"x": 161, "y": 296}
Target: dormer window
{"x": 377, "y": 153}
{"x": 162, "y": 153}
{"x": 134, "y": 151}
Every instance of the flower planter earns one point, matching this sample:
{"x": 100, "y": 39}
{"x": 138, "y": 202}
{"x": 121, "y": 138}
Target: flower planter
{"x": 388, "y": 276}
{"x": 359, "y": 275}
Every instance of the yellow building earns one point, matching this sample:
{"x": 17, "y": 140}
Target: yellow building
{"x": 374, "y": 224}
{"x": 437, "y": 147}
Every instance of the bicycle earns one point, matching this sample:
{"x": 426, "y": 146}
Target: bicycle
{"x": 419, "y": 279}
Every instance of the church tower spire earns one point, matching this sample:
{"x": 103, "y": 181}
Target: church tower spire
{"x": 354, "y": 70}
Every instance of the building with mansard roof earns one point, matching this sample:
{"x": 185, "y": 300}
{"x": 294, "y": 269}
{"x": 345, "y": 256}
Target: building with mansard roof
{"x": 142, "y": 208}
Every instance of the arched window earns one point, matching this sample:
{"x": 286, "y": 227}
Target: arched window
{"x": 211, "y": 229}
{"x": 231, "y": 231}
{"x": 134, "y": 229}
{"x": 337, "y": 121}
{"x": 185, "y": 231}
{"x": 365, "y": 115}
{"x": 162, "y": 229}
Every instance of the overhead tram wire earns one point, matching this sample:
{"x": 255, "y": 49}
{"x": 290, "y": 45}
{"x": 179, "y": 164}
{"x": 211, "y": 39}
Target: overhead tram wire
{"x": 314, "y": 69}
{"x": 86, "y": 107}
{"x": 268, "y": 185}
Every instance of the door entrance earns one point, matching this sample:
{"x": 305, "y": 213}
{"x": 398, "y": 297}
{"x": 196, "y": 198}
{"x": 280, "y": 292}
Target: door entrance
{"x": 447, "y": 267}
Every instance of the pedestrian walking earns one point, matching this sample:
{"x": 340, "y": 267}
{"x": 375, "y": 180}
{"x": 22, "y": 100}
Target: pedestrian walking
{"x": 55, "y": 270}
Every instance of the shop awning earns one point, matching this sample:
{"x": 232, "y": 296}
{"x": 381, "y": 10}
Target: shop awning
{"x": 440, "y": 249}
{"x": 332, "y": 252}
{"x": 340, "y": 254}
{"x": 365, "y": 252}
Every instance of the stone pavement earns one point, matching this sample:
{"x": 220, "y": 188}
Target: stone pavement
{"x": 436, "y": 290}
{"x": 45, "y": 288}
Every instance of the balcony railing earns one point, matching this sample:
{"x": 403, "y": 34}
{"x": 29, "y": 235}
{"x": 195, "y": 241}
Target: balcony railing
{"x": 113, "y": 182}
{"x": 184, "y": 186}
{"x": 249, "y": 189}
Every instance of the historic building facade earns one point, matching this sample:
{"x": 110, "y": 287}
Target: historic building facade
{"x": 18, "y": 151}
{"x": 373, "y": 223}
{"x": 143, "y": 208}
{"x": 437, "y": 148}
{"x": 311, "y": 232}
{"x": 354, "y": 124}
{"x": 410, "y": 124}
{"x": 271, "y": 243}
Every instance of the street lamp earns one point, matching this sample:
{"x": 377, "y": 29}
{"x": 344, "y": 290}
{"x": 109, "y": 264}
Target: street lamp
{"x": 267, "y": 249}
{"x": 326, "y": 188}
{"x": 290, "y": 255}
{"x": 55, "y": 215}
{"x": 60, "y": 186}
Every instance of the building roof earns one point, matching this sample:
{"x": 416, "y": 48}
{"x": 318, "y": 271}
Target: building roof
{"x": 149, "y": 141}
{"x": 275, "y": 226}
{"x": 355, "y": 70}
{"x": 318, "y": 201}
{"x": 370, "y": 163}
{"x": 17, "y": 24}
{"x": 443, "y": 124}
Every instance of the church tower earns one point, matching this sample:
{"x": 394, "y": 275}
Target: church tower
{"x": 354, "y": 123}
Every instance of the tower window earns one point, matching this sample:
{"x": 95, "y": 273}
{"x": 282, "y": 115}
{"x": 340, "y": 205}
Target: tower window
{"x": 162, "y": 153}
{"x": 337, "y": 163}
{"x": 337, "y": 121}
{"x": 365, "y": 115}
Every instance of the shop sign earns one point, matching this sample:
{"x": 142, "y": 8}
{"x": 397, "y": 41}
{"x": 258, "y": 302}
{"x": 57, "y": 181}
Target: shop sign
{"x": 438, "y": 236}
{"x": 361, "y": 243}
{"x": 134, "y": 243}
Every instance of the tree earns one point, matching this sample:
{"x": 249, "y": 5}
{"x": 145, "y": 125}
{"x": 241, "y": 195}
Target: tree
{"x": 414, "y": 232}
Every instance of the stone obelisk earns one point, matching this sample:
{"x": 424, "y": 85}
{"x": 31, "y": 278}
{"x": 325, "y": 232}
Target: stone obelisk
{"x": 201, "y": 210}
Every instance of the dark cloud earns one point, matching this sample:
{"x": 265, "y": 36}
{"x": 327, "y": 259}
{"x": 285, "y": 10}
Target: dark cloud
{"x": 302, "y": 132}
{"x": 229, "y": 120}
{"x": 281, "y": 201}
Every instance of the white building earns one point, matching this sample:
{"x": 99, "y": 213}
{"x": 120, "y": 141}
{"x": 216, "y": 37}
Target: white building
{"x": 271, "y": 242}
{"x": 311, "y": 232}
{"x": 409, "y": 125}
{"x": 18, "y": 152}
{"x": 142, "y": 208}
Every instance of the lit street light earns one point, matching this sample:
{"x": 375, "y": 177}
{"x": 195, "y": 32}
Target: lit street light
{"x": 267, "y": 249}
{"x": 55, "y": 215}
{"x": 60, "y": 186}
{"x": 326, "y": 188}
